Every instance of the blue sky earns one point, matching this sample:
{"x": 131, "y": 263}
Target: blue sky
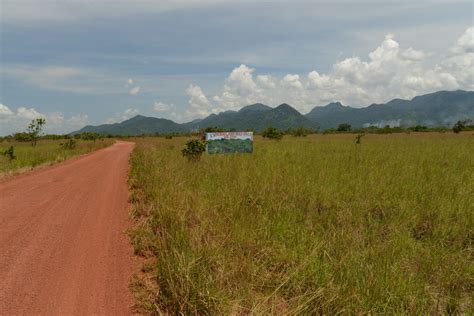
{"x": 89, "y": 62}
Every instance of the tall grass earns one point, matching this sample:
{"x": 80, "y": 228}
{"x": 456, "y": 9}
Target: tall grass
{"x": 46, "y": 151}
{"x": 306, "y": 225}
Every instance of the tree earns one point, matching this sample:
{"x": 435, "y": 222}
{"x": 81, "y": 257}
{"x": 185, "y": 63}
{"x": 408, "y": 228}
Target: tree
{"x": 461, "y": 125}
{"x": 22, "y": 137}
{"x": 35, "y": 129}
{"x": 272, "y": 133}
{"x": 301, "y": 132}
{"x": 344, "y": 127}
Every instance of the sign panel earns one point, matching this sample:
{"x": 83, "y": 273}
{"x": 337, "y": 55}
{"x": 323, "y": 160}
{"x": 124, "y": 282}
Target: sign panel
{"x": 229, "y": 142}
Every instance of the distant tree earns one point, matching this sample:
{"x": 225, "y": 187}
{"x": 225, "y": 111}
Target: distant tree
{"x": 419, "y": 128}
{"x": 272, "y": 133}
{"x": 35, "y": 129}
{"x": 209, "y": 129}
{"x": 90, "y": 136}
{"x": 344, "y": 127}
{"x": 301, "y": 132}
{"x": 462, "y": 125}
{"x": 22, "y": 137}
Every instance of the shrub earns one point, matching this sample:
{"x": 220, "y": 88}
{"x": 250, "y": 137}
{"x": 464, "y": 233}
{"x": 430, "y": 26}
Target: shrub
{"x": 9, "y": 153}
{"x": 194, "y": 149}
{"x": 69, "y": 144}
{"x": 358, "y": 139}
{"x": 272, "y": 133}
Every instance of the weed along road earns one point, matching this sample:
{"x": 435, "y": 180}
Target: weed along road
{"x": 63, "y": 247}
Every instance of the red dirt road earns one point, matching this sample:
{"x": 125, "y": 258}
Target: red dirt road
{"x": 63, "y": 247}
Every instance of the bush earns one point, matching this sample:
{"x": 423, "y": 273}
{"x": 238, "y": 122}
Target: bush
{"x": 9, "y": 153}
{"x": 194, "y": 149}
{"x": 272, "y": 133}
{"x": 69, "y": 144}
{"x": 358, "y": 139}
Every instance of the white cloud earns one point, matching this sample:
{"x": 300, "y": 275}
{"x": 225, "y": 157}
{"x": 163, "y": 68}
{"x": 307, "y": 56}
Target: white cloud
{"x": 413, "y": 54}
{"x": 465, "y": 43}
{"x": 5, "y": 111}
{"x": 292, "y": 81}
{"x": 79, "y": 120}
{"x": 199, "y": 103}
{"x": 17, "y": 121}
{"x": 160, "y": 106}
{"x": 29, "y": 114}
{"x": 125, "y": 115}
{"x": 130, "y": 81}
{"x": 135, "y": 90}
{"x": 389, "y": 72}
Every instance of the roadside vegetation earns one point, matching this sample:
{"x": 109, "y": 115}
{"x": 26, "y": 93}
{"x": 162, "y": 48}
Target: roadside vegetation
{"x": 46, "y": 151}
{"x": 321, "y": 224}
{"x": 25, "y": 150}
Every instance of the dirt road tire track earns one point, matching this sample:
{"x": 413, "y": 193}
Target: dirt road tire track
{"x": 63, "y": 247}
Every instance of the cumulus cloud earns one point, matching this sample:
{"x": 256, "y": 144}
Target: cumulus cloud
{"x": 125, "y": 115}
{"x": 135, "y": 90}
{"x": 389, "y": 71}
{"x": 14, "y": 121}
{"x": 160, "y": 106}
{"x": 198, "y": 101}
{"x": 5, "y": 111}
{"x": 130, "y": 81}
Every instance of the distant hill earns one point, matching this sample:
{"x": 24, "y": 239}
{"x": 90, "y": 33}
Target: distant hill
{"x": 257, "y": 117}
{"x": 441, "y": 108}
{"x": 136, "y": 126}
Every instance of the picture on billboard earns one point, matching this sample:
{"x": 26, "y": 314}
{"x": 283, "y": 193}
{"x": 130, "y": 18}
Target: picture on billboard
{"x": 229, "y": 142}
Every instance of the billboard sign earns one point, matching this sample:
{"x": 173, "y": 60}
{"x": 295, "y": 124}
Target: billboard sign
{"x": 229, "y": 142}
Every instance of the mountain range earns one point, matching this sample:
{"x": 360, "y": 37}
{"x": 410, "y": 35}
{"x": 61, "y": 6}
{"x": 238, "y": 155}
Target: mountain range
{"x": 442, "y": 108}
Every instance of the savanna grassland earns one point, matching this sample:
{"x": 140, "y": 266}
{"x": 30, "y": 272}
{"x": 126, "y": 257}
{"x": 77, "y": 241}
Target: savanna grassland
{"x": 45, "y": 151}
{"x": 306, "y": 225}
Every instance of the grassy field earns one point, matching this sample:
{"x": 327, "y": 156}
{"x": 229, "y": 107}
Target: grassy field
{"x": 307, "y": 225}
{"x": 46, "y": 151}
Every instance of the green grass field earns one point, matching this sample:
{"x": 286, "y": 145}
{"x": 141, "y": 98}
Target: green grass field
{"x": 46, "y": 151}
{"x": 307, "y": 225}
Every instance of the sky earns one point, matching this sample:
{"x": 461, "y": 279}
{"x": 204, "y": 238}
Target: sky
{"x": 80, "y": 62}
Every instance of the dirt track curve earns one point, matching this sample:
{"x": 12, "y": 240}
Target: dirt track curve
{"x": 63, "y": 247}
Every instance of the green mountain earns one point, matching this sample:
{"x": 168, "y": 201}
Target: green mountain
{"x": 442, "y": 108}
{"x": 136, "y": 126}
{"x": 257, "y": 117}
